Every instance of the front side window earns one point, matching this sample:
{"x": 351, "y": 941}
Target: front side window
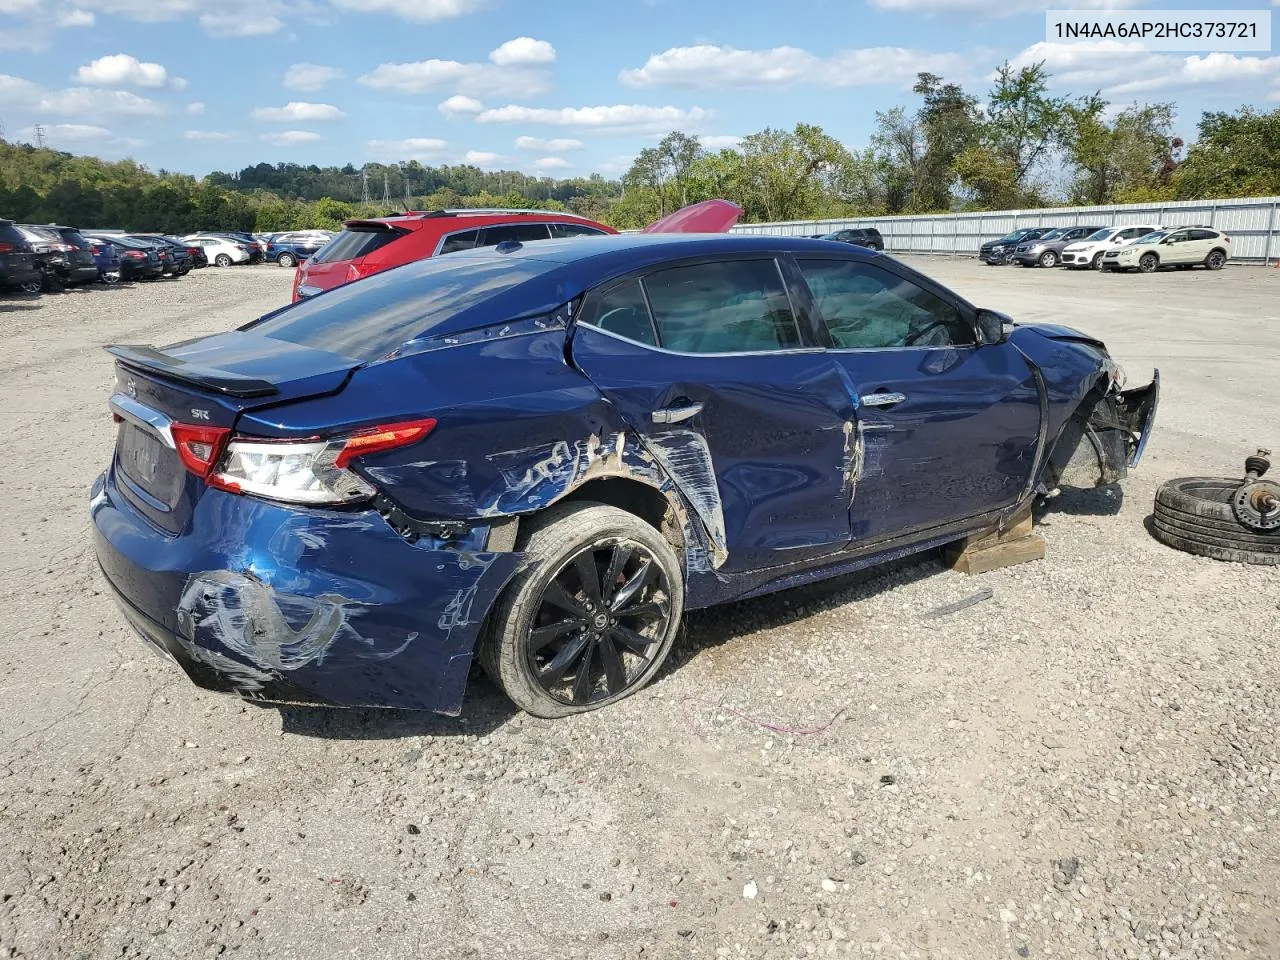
{"x": 731, "y": 306}
{"x": 1179, "y": 237}
{"x": 562, "y": 230}
{"x": 866, "y": 307}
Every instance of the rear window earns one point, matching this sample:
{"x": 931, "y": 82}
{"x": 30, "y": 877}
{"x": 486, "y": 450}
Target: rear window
{"x": 355, "y": 243}
{"x": 367, "y": 320}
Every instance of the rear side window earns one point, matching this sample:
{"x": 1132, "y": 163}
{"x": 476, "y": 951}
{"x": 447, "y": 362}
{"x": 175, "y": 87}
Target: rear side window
{"x": 519, "y": 232}
{"x": 460, "y": 241}
{"x": 1203, "y": 235}
{"x": 734, "y": 306}
{"x": 355, "y": 243}
{"x": 367, "y": 320}
{"x": 867, "y": 308}
{"x": 562, "y": 230}
{"x": 622, "y": 310}
{"x": 9, "y": 234}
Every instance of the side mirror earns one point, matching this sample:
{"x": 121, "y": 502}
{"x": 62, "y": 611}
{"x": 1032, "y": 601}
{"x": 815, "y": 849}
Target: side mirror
{"x": 992, "y": 327}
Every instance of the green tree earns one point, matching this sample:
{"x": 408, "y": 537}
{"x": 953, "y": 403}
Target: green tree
{"x": 1236, "y": 155}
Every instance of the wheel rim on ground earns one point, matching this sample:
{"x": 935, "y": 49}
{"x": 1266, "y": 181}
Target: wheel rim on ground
{"x": 223, "y": 260}
{"x": 1147, "y": 263}
{"x": 600, "y": 624}
{"x": 1048, "y": 259}
{"x": 1097, "y": 261}
{"x": 285, "y": 260}
{"x": 31, "y": 286}
{"x": 1215, "y": 261}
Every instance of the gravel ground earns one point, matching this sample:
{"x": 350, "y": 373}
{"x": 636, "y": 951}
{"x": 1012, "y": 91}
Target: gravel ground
{"x": 1084, "y": 765}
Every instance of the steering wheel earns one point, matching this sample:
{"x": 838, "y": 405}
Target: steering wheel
{"x": 912, "y": 338}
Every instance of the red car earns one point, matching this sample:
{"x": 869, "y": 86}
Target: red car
{"x": 369, "y": 246}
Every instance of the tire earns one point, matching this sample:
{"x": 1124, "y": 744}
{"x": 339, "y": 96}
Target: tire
{"x": 1148, "y": 263}
{"x": 1048, "y": 259}
{"x": 222, "y": 260}
{"x": 1216, "y": 260}
{"x": 557, "y": 540}
{"x": 1194, "y": 514}
{"x": 287, "y": 260}
{"x": 111, "y": 278}
{"x": 1096, "y": 263}
{"x": 31, "y": 286}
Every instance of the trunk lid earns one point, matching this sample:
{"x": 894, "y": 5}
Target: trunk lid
{"x": 340, "y": 260}
{"x": 208, "y": 382}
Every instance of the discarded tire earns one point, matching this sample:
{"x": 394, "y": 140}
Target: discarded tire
{"x": 1195, "y": 514}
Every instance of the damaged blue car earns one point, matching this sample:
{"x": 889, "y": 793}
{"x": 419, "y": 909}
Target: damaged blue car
{"x": 541, "y": 454}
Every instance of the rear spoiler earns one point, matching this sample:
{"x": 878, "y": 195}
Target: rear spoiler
{"x": 150, "y": 360}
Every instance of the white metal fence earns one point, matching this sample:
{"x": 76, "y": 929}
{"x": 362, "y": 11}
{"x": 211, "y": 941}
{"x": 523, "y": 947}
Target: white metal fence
{"x": 1253, "y": 225}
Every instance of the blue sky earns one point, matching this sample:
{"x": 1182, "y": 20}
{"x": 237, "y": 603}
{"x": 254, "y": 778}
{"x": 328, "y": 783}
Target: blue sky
{"x": 561, "y": 87}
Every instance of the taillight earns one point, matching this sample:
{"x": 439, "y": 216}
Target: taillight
{"x": 310, "y": 471}
{"x": 192, "y": 250}
{"x": 134, "y": 255}
{"x": 199, "y": 446}
{"x": 61, "y": 247}
{"x": 6, "y": 247}
{"x": 95, "y": 249}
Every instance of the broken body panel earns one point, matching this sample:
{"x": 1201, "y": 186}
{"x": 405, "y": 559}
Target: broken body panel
{"x": 783, "y": 474}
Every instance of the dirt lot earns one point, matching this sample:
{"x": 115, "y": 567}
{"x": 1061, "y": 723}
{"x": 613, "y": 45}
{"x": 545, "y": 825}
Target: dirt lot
{"x": 1084, "y": 765}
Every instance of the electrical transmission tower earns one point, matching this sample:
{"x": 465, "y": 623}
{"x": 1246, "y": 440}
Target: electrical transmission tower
{"x": 38, "y": 130}
{"x": 364, "y": 186}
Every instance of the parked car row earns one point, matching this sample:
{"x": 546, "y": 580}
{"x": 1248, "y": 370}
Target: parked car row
{"x": 1142, "y": 247}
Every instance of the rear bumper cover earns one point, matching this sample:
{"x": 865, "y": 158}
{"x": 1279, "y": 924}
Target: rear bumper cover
{"x": 305, "y": 606}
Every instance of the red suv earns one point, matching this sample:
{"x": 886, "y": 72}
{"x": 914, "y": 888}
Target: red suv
{"x": 369, "y": 246}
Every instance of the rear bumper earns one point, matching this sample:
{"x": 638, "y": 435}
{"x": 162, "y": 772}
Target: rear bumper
{"x": 306, "y": 606}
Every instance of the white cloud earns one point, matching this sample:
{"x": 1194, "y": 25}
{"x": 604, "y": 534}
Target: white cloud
{"x": 481, "y": 158}
{"x": 15, "y": 8}
{"x": 230, "y": 23}
{"x": 523, "y": 51}
{"x": 122, "y": 70}
{"x": 548, "y": 146}
{"x": 985, "y": 8}
{"x": 1122, "y": 69}
{"x": 709, "y": 67}
{"x": 15, "y": 89}
{"x": 145, "y": 11}
{"x": 719, "y": 142}
{"x": 92, "y": 101}
{"x": 309, "y": 76}
{"x": 76, "y": 18}
{"x": 298, "y": 112}
{"x": 291, "y": 138}
{"x": 551, "y": 163}
{"x": 420, "y": 11}
{"x": 208, "y": 136}
{"x": 82, "y": 135}
{"x": 413, "y": 148}
{"x": 616, "y": 117}
{"x": 473, "y": 79}
{"x": 195, "y": 108}
{"x": 458, "y": 105}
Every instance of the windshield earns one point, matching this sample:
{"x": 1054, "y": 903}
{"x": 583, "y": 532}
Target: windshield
{"x": 1053, "y": 235}
{"x": 1152, "y": 237}
{"x": 1103, "y": 234}
{"x": 367, "y": 320}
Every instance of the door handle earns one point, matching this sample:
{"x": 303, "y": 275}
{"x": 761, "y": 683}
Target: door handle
{"x": 882, "y": 399}
{"x": 677, "y": 414}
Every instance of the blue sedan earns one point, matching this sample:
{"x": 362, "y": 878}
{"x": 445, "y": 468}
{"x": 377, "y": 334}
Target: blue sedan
{"x": 542, "y": 454}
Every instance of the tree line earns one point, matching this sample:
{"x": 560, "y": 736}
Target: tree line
{"x": 1021, "y": 147}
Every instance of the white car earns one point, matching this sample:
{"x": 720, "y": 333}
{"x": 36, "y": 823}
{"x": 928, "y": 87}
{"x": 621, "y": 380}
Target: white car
{"x": 1181, "y": 248}
{"x": 220, "y": 251}
{"x": 1089, "y": 251}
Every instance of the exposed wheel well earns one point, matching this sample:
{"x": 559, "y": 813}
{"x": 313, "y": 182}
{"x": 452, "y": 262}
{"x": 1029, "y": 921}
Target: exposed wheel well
{"x": 636, "y": 498}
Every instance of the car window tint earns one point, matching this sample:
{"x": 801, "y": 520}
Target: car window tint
{"x": 1178, "y": 237}
{"x": 574, "y": 230}
{"x": 733, "y": 306}
{"x": 466, "y": 240}
{"x": 1203, "y": 235}
{"x": 519, "y": 232}
{"x": 355, "y": 243}
{"x": 866, "y": 307}
{"x": 367, "y": 320}
{"x": 622, "y": 310}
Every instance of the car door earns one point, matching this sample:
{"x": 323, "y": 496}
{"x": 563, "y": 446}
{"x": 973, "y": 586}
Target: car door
{"x": 1178, "y": 248}
{"x": 1199, "y": 244}
{"x": 946, "y": 429}
{"x": 752, "y": 421}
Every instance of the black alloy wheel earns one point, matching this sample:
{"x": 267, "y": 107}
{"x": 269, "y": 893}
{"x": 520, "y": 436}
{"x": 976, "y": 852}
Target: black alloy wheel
{"x": 600, "y": 624}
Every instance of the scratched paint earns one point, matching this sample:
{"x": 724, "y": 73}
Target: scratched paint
{"x": 256, "y": 624}
{"x": 687, "y": 459}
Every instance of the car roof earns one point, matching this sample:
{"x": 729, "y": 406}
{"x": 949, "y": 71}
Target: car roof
{"x": 477, "y": 217}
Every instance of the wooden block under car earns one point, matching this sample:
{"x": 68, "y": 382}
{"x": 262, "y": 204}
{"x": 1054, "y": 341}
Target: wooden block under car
{"x": 1015, "y": 544}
